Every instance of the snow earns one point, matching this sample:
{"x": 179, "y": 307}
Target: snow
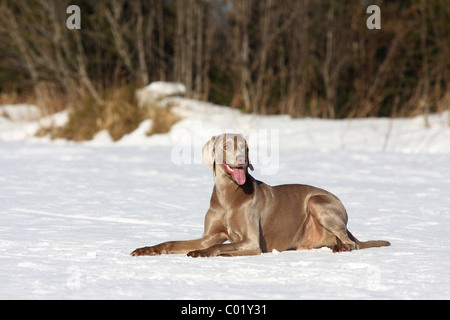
{"x": 166, "y": 88}
{"x": 71, "y": 213}
{"x": 150, "y": 95}
{"x": 18, "y": 112}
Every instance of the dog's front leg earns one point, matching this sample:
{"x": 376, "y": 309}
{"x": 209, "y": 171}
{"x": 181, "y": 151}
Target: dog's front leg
{"x": 243, "y": 232}
{"x": 174, "y": 247}
{"x": 242, "y": 248}
{"x": 180, "y": 247}
{"x": 214, "y": 234}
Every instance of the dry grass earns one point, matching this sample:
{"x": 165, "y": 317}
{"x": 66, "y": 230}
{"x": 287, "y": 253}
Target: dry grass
{"x": 10, "y": 98}
{"x": 14, "y": 97}
{"x": 163, "y": 119}
{"x": 119, "y": 115}
{"x": 83, "y": 122}
{"x": 52, "y": 99}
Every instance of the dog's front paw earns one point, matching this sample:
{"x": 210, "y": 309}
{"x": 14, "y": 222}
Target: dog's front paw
{"x": 202, "y": 253}
{"x": 146, "y": 251}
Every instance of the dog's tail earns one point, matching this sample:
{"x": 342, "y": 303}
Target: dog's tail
{"x": 368, "y": 244}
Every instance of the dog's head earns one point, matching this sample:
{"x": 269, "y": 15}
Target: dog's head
{"x": 229, "y": 153}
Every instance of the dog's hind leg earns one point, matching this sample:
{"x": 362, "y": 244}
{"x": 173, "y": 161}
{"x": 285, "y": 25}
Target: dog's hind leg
{"x": 330, "y": 213}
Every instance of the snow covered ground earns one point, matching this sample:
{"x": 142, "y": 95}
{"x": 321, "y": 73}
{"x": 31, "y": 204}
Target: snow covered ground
{"x": 70, "y": 214}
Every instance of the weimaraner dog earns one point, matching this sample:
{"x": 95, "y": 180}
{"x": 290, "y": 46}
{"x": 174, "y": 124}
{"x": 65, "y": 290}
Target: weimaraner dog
{"x": 255, "y": 217}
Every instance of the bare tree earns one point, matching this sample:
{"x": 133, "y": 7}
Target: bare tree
{"x": 337, "y": 53}
{"x": 140, "y": 43}
{"x": 297, "y": 43}
{"x": 301, "y": 57}
{"x": 17, "y": 38}
{"x": 195, "y": 30}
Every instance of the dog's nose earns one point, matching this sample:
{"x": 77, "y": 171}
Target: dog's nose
{"x": 240, "y": 160}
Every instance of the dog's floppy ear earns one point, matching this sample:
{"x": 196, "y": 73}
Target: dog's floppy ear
{"x": 250, "y": 166}
{"x": 208, "y": 153}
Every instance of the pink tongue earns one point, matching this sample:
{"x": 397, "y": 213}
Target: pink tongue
{"x": 239, "y": 176}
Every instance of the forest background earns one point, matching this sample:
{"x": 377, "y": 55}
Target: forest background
{"x": 298, "y": 57}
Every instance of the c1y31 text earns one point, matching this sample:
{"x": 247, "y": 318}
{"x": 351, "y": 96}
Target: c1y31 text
{"x": 230, "y": 309}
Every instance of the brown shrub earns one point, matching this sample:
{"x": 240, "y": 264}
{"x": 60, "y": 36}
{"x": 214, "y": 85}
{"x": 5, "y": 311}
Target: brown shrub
{"x": 119, "y": 115}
